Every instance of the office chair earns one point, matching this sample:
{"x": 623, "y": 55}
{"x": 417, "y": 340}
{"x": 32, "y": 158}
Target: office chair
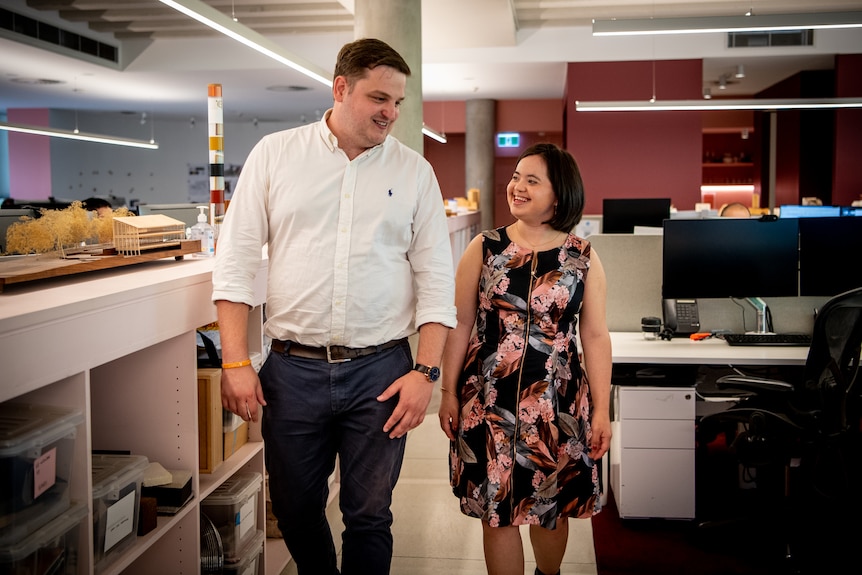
{"x": 799, "y": 443}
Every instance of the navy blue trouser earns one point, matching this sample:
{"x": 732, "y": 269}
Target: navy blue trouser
{"x": 316, "y": 410}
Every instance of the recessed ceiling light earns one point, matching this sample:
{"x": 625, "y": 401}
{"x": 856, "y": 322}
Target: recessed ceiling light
{"x": 281, "y": 88}
{"x": 36, "y": 81}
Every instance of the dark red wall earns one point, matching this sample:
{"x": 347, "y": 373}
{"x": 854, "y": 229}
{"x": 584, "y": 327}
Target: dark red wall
{"x": 847, "y": 180}
{"x": 636, "y": 154}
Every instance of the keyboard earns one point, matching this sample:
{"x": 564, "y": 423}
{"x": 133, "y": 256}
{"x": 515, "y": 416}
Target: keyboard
{"x": 796, "y": 339}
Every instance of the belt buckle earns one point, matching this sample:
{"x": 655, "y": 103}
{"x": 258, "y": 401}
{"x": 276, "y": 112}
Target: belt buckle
{"x": 329, "y": 357}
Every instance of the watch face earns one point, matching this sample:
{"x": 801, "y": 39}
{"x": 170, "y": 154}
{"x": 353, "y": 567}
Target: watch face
{"x": 433, "y": 374}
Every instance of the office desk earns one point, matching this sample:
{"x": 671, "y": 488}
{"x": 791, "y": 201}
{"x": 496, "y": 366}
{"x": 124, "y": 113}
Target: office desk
{"x": 652, "y": 459}
{"x": 631, "y": 347}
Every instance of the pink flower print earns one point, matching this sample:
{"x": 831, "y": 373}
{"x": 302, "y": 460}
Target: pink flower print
{"x": 484, "y": 301}
{"x": 491, "y": 397}
{"x": 538, "y": 479}
{"x": 546, "y": 409}
{"x": 494, "y": 520}
{"x": 474, "y": 417}
{"x": 502, "y": 286}
{"x": 561, "y": 296}
{"x": 529, "y": 412}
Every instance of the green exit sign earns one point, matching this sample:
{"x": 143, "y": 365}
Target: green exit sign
{"x": 508, "y": 140}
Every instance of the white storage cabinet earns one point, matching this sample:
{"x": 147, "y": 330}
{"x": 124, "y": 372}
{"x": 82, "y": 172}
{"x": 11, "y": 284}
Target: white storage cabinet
{"x": 652, "y": 451}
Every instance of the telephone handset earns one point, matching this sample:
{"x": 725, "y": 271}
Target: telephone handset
{"x": 681, "y": 316}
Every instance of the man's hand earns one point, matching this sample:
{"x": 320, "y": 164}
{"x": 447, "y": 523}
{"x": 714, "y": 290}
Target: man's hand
{"x": 241, "y": 392}
{"x": 414, "y": 395}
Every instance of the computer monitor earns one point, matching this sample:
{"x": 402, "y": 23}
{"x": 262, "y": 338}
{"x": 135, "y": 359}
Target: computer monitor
{"x": 621, "y": 215}
{"x": 186, "y": 213}
{"x": 791, "y": 211}
{"x": 730, "y": 257}
{"x": 9, "y": 216}
{"x": 829, "y": 255}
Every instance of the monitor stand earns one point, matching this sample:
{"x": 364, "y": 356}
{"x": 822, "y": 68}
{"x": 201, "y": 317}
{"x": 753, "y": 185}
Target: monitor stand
{"x": 762, "y": 314}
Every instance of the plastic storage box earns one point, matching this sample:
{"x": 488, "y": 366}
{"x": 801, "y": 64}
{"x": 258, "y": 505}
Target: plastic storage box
{"x": 116, "y": 498}
{"x": 50, "y": 550}
{"x": 249, "y": 559}
{"x": 232, "y": 507}
{"x": 37, "y": 446}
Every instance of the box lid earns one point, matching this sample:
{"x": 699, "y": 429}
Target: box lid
{"x": 235, "y": 489}
{"x": 25, "y": 426}
{"x": 44, "y": 535}
{"x": 111, "y": 472}
{"x": 249, "y": 551}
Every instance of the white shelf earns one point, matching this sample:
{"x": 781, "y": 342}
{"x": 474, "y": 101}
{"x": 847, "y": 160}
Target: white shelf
{"x": 121, "y": 347}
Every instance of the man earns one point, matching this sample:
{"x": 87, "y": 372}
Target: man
{"x": 735, "y": 210}
{"x": 359, "y": 258}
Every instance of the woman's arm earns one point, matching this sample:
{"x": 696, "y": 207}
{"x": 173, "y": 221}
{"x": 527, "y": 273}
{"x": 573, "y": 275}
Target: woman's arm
{"x": 596, "y": 344}
{"x": 466, "y": 301}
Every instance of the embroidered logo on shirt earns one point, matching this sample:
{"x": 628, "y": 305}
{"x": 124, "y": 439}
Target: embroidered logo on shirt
{"x": 390, "y": 193}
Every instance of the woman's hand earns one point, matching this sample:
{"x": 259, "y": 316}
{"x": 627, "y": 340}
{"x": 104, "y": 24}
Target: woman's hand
{"x": 449, "y": 413}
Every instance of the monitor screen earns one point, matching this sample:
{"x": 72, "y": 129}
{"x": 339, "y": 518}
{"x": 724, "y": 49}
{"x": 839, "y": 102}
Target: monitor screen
{"x": 730, "y": 257}
{"x": 791, "y": 211}
{"x": 829, "y": 255}
{"x": 621, "y": 215}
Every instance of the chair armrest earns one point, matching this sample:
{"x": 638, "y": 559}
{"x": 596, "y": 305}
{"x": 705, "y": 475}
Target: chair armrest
{"x": 755, "y": 384}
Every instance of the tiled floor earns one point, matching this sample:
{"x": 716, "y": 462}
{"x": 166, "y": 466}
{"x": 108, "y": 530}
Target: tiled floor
{"x": 431, "y": 534}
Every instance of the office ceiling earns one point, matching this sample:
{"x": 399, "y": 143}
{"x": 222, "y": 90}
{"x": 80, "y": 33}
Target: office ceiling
{"x": 498, "y": 49}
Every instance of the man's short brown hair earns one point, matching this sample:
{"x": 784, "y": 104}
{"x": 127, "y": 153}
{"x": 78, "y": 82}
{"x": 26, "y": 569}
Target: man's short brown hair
{"x": 359, "y": 56}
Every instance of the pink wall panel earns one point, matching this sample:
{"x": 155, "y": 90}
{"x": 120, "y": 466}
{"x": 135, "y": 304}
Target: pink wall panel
{"x": 29, "y": 157}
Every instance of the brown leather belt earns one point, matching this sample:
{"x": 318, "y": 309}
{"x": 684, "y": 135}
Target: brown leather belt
{"x": 331, "y": 353}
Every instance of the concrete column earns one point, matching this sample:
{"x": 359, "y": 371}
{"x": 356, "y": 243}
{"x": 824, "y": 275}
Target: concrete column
{"x": 481, "y": 127}
{"x": 399, "y": 24}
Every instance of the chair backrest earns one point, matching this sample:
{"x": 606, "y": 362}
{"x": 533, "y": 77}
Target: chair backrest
{"x": 833, "y": 378}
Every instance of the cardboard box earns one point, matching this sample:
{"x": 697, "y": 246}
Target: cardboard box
{"x": 235, "y": 439}
{"x": 210, "y": 434}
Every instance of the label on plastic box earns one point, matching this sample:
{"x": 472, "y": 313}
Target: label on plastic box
{"x": 45, "y": 472}
{"x": 120, "y": 520}
{"x": 245, "y": 518}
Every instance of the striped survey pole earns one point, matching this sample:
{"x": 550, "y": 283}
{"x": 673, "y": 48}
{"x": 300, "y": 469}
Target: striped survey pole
{"x": 216, "y": 155}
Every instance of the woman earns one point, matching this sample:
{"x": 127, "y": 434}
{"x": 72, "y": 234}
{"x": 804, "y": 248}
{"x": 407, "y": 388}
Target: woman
{"x": 525, "y": 422}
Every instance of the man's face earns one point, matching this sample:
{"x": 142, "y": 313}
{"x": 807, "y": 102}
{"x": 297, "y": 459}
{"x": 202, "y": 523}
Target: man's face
{"x": 365, "y": 112}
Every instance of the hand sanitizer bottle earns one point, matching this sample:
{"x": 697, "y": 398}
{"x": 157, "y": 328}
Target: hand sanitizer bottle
{"x": 205, "y": 233}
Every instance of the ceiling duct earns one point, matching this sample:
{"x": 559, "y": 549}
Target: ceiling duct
{"x": 770, "y": 39}
{"x": 30, "y": 31}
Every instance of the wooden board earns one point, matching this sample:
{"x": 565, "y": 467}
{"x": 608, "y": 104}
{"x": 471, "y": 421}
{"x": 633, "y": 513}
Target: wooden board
{"x": 32, "y": 268}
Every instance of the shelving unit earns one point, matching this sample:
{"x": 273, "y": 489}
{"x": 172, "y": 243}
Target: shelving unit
{"x": 120, "y": 346}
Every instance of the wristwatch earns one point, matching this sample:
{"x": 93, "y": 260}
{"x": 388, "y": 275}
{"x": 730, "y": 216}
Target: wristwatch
{"x": 432, "y": 373}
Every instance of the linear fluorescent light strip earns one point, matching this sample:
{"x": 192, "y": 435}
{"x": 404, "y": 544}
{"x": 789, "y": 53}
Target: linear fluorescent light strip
{"x": 433, "y": 134}
{"x": 72, "y": 135}
{"x": 709, "y": 24}
{"x": 705, "y": 105}
{"x": 223, "y": 23}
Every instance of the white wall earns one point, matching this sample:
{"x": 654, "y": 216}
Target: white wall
{"x": 81, "y": 169}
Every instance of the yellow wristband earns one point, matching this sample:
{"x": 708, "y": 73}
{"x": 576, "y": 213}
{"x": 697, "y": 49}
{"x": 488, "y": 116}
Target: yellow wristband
{"x": 233, "y": 364}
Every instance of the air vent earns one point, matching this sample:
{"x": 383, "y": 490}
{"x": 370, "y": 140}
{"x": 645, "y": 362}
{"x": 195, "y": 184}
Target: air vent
{"x": 21, "y": 25}
{"x": 768, "y": 39}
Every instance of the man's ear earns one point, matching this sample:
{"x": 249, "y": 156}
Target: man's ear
{"x": 339, "y": 88}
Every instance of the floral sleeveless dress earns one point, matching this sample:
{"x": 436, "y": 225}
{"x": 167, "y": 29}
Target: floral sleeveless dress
{"x": 521, "y": 451}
